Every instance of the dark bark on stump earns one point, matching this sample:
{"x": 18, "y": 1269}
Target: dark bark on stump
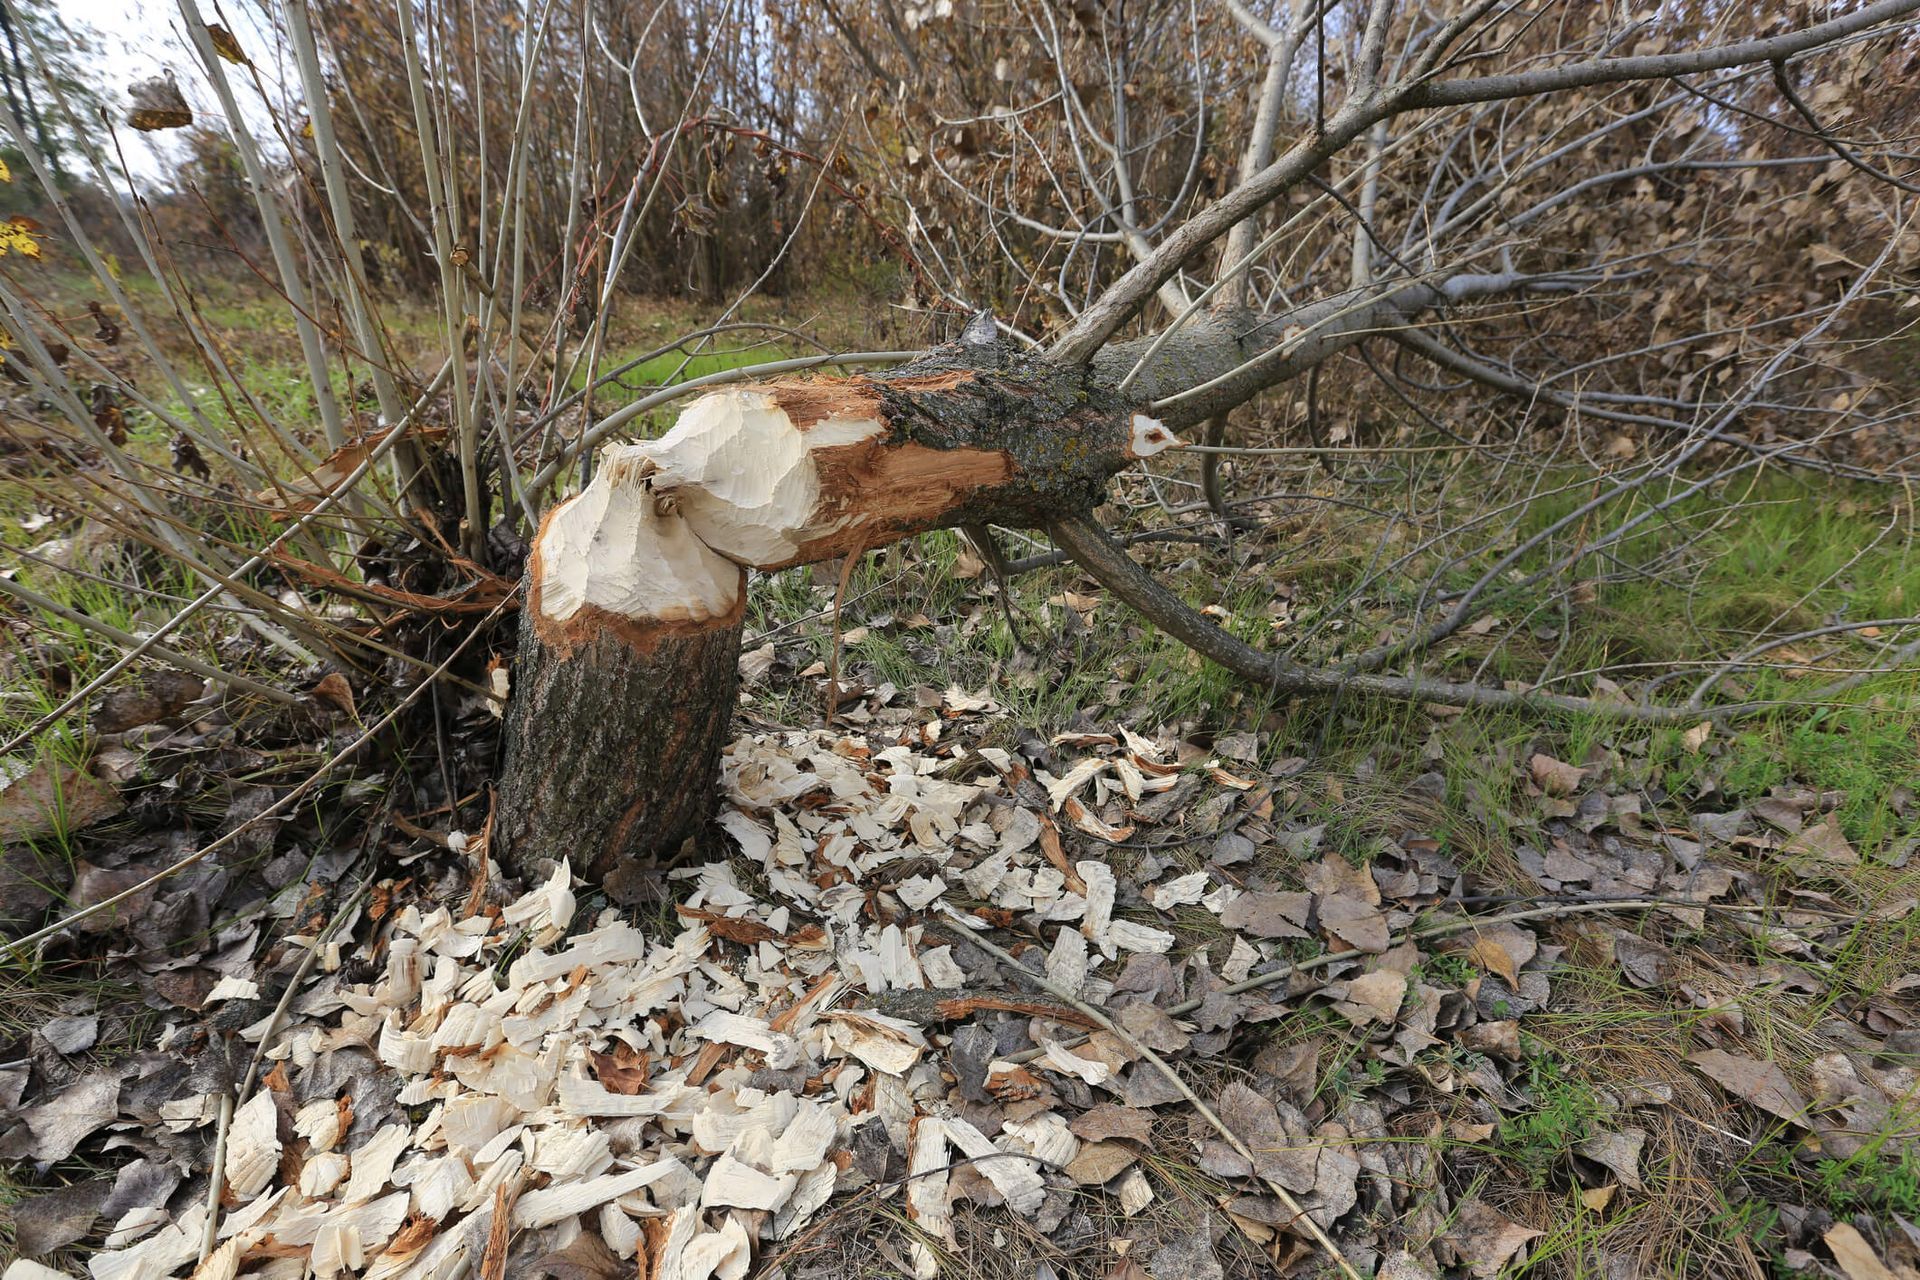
{"x": 612, "y": 748}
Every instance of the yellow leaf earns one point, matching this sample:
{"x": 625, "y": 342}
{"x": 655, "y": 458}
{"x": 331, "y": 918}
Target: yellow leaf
{"x": 225, "y": 45}
{"x": 1493, "y": 957}
{"x": 6, "y": 174}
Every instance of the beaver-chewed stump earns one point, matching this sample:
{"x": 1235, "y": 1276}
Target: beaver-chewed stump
{"x": 625, "y": 682}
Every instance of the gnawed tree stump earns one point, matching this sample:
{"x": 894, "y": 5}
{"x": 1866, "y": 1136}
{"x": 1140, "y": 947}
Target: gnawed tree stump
{"x": 625, "y": 682}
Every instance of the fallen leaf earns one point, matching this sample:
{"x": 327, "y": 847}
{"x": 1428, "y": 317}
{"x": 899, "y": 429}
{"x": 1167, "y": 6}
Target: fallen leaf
{"x": 1100, "y": 1162}
{"x": 62, "y": 1124}
{"x": 1110, "y": 1120}
{"x": 51, "y": 797}
{"x": 1492, "y": 957}
{"x": 1373, "y": 997}
{"x": 1355, "y": 923}
{"x": 1619, "y": 1152}
{"x": 1855, "y": 1256}
{"x": 1189, "y": 1255}
{"x": 1555, "y": 777}
{"x": 1763, "y": 1084}
{"x": 1486, "y": 1239}
{"x": 1823, "y": 842}
{"x": 1262, "y": 914}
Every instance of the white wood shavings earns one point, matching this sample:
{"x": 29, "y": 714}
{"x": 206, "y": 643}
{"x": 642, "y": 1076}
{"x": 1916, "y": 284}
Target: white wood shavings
{"x": 246, "y": 1218}
{"x": 1060, "y": 790}
{"x": 723, "y": 1121}
{"x": 403, "y": 1050}
{"x": 319, "y": 1123}
{"x": 682, "y": 1224}
{"x": 806, "y": 1139}
{"x": 135, "y": 1223}
{"x": 28, "y": 1269}
{"x": 1013, "y": 1175}
{"x": 734, "y": 1184}
{"x": 752, "y": 838}
{"x": 549, "y": 1205}
{"x": 1135, "y": 1193}
{"x": 927, "y": 1191}
{"x": 570, "y": 1154}
{"x": 1058, "y": 1058}
{"x": 470, "y": 1122}
{"x": 439, "y": 1186}
{"x": 159, "y": 1255}
{"x": 723, "y": 1254}
{"x": 1126, "y": 935}
{"x": 514, "y": 1074}
{"x": 337, "y": 1248}
{"x": 499, "y": 1174}
{"x": 888, "y": 1045}
{"x": 620, "y": 1231}
{"x": 547, "y": 910}
{"x": 898, "y": 968}
{"x": 733, "y": 1028}
{"x": 1181, "y": 891}
{"x": 1101, "y": 888}
{"x": 917, "y": 891}
{"x": 372, "y": 1163}
{"x": 941, "y": 969}
{"x": 1067, "y": 962}
{"x": 465, "y": 1026}
{"x": 1046, "y": 1136}
{"x": 321, "y": 1174}
{"x": 809, "y": 1197}
{"x": 253, "y": 1146}
{"x": 232, "y": 988}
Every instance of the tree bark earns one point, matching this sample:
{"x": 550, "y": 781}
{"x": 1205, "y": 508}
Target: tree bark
{"x": 613, "y": 744}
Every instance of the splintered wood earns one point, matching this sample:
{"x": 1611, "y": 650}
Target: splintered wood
{"x": 511, "y": 1080}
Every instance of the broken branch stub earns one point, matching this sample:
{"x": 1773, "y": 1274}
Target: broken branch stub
{"x": 625, "y": 681}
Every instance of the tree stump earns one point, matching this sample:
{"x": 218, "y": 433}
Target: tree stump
{"x": 624, "y": 687}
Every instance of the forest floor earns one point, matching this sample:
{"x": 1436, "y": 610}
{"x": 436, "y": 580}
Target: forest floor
{"x": 1615, "y": 1001}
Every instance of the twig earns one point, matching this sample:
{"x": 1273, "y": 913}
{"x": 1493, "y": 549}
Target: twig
{"x": 217, "y": 1174}
{"x": 1173, "y": 1077}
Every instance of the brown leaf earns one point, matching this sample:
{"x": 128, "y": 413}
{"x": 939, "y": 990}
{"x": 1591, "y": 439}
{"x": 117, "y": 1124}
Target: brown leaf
{"x": 158, "y": 104}
{"x": 1262, "y": 914}
{"x": 1110, "y": 1120}
{"x": 1763, "y": 1084}
{"x": 1355, "y": 923}
{"x": 1855, "y": 1256}
{"x": 1824, "y": 842}
{"x": 1101, "y": 1162}
{"x": 587, "y": 1258}
{"x": 747, "y": 932}
{"x": 1373, "y": 997}
{"x": 225, "y": 45}
{"x": 1057, "y": 857}
{"x": 1555, "y": 777}
{"x": 156, "y": 697}
{"x": 624, "y": 1071}
{"x": 1485, "y": 1239}
{"x": 52, "y": 797}
{"x": 334, "y": 690}
{"x": 1492, "y": 957}
{"x": 1619, "y": 1152}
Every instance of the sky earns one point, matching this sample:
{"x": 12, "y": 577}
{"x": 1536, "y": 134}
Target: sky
{"x": 136, "y": 39}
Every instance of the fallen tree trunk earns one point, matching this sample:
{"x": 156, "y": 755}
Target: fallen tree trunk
{"x": 625, "y": 681}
